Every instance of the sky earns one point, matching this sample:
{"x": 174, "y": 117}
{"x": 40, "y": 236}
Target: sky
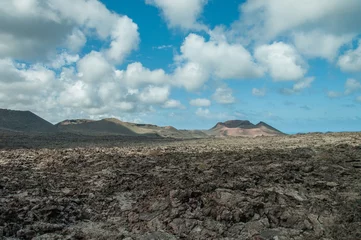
{"x": 295, "y": 65}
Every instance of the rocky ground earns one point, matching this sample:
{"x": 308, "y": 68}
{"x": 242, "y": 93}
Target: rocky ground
{"x": 292, "y": 187}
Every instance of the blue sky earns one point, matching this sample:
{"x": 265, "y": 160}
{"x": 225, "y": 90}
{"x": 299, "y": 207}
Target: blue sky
{"x": 187, "y": 63}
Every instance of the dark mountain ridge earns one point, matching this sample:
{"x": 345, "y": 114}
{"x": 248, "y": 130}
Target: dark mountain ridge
{"x": 243, "y": 128}
{"x": 24, "y": 121}
{"x": 235, "y": 124}
{"x": 263, "y": 124}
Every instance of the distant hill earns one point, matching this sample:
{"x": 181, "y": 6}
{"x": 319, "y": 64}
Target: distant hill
{"x": 112, "y": 126}
{"x": 268, "y": 127}
{"x": 102, "y": 127}
{"x": 243, "y": 128}
{"x": 235, "y": 124}
{"x": 24, "y": 121}
{"x": 28, "y": 122}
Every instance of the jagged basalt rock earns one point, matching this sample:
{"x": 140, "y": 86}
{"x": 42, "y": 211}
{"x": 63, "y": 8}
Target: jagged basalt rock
{"x": 298, "y": 188}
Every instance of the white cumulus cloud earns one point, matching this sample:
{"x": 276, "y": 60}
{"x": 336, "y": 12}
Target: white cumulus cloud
{"x": 219, "y": 58}
{"x": 259, "y": 92}
{"x": 320, "y": 44}
{"x": 334, "y": 94}
{"x": 76, "y": 40}
{"x": 351, "y": 60}
{"x": 181, "y": 13}
{"x": 224, "y": 95}
{"x": 125, "y": 38}
{"x": 64, "y": 59}
{"x": 282, "y": 61}
{"x": 203, "y": 112}
{"x": 173, "y": 104}
{"x": 200, "y": 102}
{"x": 34, "y": 29}
{"x": 22, "y": 86}
{"x": 137, "y": 75}
{"x": 277, "y": 17}
{"x": 317, "y": 28}
{"x": 191, "y": 76}
{"x": 351, "y": 86}
{"x": 299, "y": 86}
{"x": 154, "y": 95}
{"x": 94, "y": 67}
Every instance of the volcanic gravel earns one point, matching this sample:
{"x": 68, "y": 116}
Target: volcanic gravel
{"x": 291, "y": 187}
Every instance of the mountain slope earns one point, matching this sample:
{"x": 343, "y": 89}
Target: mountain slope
{"x": 235, "y": 124}
{"x": 101, "y": 127}
{"x": 24, "y": 121}
{"x": 113, "y": 126}
{"x": 242, "y": 128}
{"x": 268, "y": 127}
